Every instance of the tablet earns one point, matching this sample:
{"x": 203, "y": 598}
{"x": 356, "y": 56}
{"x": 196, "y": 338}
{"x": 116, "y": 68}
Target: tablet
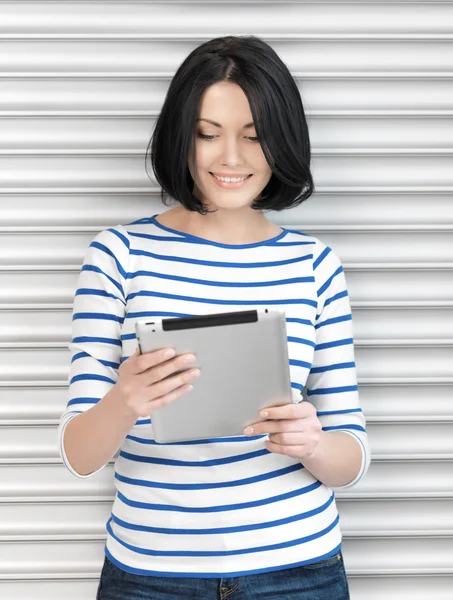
{"x": 244, "y": 364}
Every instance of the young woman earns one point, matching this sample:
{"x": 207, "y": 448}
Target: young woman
{"x": 252, "y": 516}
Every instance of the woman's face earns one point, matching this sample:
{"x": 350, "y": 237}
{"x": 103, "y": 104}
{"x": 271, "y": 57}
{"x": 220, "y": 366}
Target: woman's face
{"x": 231, "y": 149}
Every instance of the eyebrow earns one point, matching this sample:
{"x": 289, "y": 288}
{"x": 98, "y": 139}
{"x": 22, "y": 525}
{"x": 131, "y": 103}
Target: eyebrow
{"x": 247, "y": 126}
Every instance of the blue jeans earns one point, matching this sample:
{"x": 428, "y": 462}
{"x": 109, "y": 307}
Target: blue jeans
{"x": 325, "y": 580}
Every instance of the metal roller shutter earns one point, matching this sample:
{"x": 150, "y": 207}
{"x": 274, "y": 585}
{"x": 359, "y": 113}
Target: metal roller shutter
{"x": 80, "y": 86}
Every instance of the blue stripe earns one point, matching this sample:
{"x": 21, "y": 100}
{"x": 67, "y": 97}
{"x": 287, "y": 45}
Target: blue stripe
{"x": 326, "y": 285}
{"x": 170, "y": 238}
{"x": 128, "y": 336}
{"x": 121, "y": 237}
{"x": 189, "y": 239}
{"x": 208, "y": 575}
{"x": 209, "y": 486}
{"x": 243, "y": 438}
{"x": 297, "y": 340}
{"x": 300, "y": 363}
{"x": 91, "y": 377}
{"x": 334, "y": 320}
{"x": 333, "y": 390}
{"x": 100, "y": 316}
{"x": 231, "y": 265}
{"x": 192, "y": 463}
{"x": 107, "y": 363}
{"x": 334, "y": 344}
{"x": 288, "y": 544}
{"x": 321, "y": 257}
{"x": 98, "y": 270}
{"x": 83, "y": 400}
{"x": 323, "y": 413}
{"x": 224, "y": 530}
{"x": 229, "y": 302}
{"x": 228, "y": 284}
{"x": 301, "y": 321}
{"x": 107, "y": 251}
{"x": 96, "y": 292}
{"x": 334, "y": 367}
{"x": 345, "y": 426}
{"x": 102, "y": 340}
{"x": 220, "y": 507}
{"x": 342, "y": 294}
{"x": 292, "y": 244}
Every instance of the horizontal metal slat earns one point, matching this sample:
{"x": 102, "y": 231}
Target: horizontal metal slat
{"x": 388, "y": 518}
{"x": 69, "y": 247}
{"x": 371, "y": 556}
{"x": 388, "y": 441}
{"x": 91, "y": 171}
{"x": 144, "y": 17}
{"x": 384, "y": 480}
{"x": 136, "y": 57}
{"x": 51, "y": 361}
{"x": 47, "y": 284}
{"x": 146, "y": 95}
{"x": 119, "y": 134}
{"x": 381, "y": 401}
{"x": 385, "y": 209}
{"x": 51, "y": 324}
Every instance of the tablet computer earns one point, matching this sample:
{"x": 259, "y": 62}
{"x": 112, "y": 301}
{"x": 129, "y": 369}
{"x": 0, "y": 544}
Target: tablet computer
{"x": 244, "y": 364}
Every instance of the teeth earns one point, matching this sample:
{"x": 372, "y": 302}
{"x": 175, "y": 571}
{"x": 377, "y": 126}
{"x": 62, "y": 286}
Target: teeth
{"x": 230, "y": 179}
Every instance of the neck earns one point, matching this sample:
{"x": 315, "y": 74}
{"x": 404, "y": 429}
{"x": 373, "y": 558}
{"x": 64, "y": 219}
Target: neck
{"x": 229, "y": 226}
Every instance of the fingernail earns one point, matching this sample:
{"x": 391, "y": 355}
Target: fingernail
{"x": 248, "y": 430}
{"x": 189, "y": 358}
{"x": 192, "y": 374}
{"x": 264, "y": 413}
{"x": 169, "y": 353}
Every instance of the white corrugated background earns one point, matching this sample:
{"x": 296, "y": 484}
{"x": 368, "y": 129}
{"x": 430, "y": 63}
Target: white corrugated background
{"x": 80, "y": 86}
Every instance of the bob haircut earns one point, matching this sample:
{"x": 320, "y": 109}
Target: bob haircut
{"x": 277, "y": 110}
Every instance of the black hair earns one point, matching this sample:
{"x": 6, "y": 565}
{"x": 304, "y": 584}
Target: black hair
{"x": 275, "y": 104}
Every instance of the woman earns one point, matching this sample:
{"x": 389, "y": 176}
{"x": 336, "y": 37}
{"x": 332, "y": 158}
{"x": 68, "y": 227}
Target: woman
{"x": 251, "y": 516}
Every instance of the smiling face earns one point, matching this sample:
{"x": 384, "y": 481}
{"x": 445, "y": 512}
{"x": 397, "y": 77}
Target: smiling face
{"x": 230, "y": 149}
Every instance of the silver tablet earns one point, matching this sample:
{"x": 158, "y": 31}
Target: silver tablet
{"x": 244, "y": 364}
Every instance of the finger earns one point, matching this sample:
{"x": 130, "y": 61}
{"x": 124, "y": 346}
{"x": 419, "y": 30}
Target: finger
{"x": 165, "y": 386}
{"x": 153, "y": 405}
{"x": 167, "y": 368}
{"x": 287, "y": 439}
{"x": 288, "y": 411}
{"x": 294, "y": 451}
{"x": 279, "y": 426}
{"x": 145, "y": 361}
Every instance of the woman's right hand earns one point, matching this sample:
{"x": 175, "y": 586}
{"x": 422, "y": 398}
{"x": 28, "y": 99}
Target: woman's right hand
{"x": 145, "y": 382}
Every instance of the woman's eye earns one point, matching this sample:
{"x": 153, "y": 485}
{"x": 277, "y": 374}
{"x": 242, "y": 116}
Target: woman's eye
{"x": 206, "y": 137}
{"x": 211, "y": 137}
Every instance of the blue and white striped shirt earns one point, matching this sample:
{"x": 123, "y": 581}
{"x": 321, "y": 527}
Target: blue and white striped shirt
{"x": 221, "y": 506}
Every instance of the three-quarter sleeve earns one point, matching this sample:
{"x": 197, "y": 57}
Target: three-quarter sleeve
{"x": 332, "y": 385}
{"x": 99, "y": 310}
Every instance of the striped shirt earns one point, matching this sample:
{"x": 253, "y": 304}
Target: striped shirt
{"x": 225, "y": 506}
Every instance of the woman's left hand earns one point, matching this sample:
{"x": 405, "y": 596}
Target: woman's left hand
{"x": 294, "y": 429}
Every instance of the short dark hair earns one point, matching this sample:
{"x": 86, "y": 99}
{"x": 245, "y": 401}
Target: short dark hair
{"x": 275, "y": 104}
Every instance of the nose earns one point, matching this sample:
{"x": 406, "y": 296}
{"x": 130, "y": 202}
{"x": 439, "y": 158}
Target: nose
{"x": 231, "y": 152}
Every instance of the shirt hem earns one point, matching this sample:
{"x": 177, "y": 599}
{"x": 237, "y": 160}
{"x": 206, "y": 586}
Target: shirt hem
{"x": 180, "y": 574}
